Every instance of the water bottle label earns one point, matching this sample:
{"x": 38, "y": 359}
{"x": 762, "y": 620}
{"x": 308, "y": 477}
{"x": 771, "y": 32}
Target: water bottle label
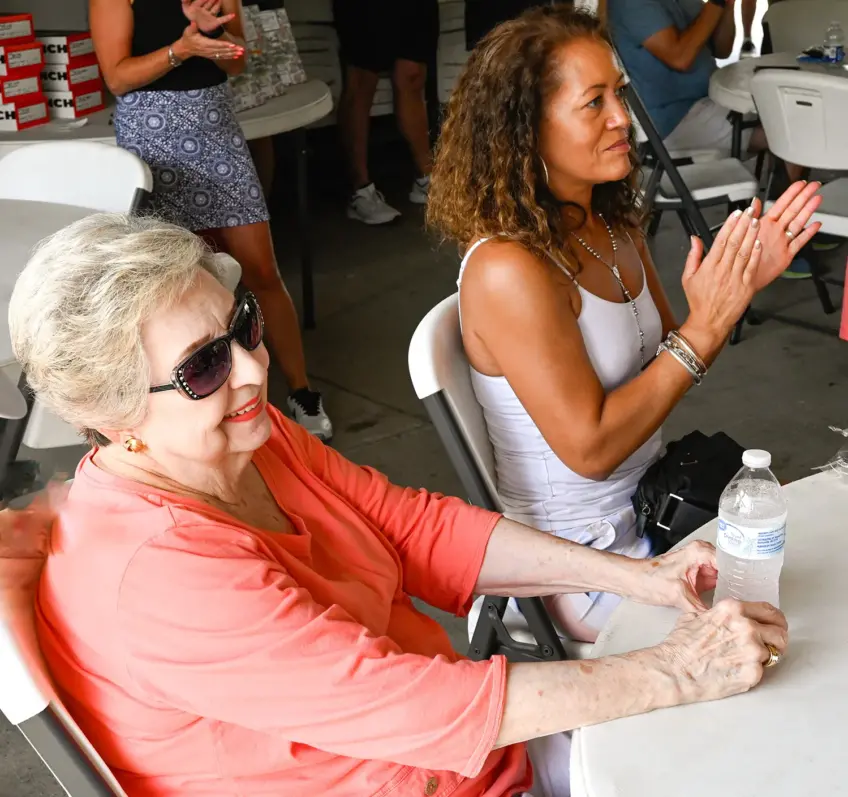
{"x": 750, "y": 543}
{"x": 834, "y": 53}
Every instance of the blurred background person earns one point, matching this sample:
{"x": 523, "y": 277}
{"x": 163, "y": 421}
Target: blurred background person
{"x": 398, "y": 37}
{"x": 167, "y": 64}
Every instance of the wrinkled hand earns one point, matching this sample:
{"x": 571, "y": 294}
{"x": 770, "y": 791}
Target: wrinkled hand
{"x": 791, "y": 212}
{"x": 204, "y": 13}
{"x": 24, "y": 543}
{"x": 678, "y": 579}
{"x": 721, "y": 652}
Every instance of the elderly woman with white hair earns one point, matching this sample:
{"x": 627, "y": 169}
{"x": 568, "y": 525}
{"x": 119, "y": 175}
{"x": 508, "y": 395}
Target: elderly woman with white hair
{"x": 225, "y": 607}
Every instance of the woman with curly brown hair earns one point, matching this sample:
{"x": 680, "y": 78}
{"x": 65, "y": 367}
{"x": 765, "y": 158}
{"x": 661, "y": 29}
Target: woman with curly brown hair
{"x": 562, "y": 309}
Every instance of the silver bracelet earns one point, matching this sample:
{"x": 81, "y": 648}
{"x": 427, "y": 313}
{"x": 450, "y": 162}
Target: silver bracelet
{"x": 675, "y": 336}
{"x": 685, "y": 356}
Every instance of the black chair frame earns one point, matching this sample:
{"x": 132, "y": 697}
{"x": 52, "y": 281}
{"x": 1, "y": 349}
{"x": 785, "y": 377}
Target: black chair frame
{"x": 491, "y": 635}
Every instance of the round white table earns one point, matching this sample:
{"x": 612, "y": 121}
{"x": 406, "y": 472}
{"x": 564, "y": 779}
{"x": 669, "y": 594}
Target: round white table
{"x": 783, "y": 739}
{"x": 730, "y": 86}
{"x": 294, "y": 111}
{"x": 299, "y": 107}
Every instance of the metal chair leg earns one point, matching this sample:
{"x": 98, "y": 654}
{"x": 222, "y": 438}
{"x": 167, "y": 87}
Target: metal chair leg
{"x": 654, "y": 226}
{"x": 307, "y": 281}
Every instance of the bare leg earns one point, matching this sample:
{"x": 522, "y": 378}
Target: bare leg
{"x": 411, "y": 111}
{"x": 749, "y": 11}
{"x": 252, "y": 246}
{"x": 355, "y": 120}
{"x": 262, "y": 152}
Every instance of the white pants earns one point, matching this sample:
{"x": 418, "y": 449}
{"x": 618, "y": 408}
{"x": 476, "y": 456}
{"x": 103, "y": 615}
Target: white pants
{"x": 706, "y": 126}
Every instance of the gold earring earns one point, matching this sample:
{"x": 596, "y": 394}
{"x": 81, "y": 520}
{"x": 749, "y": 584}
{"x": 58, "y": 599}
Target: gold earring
{"x": 545, "y": 169}
{"x": 134, "y": 445}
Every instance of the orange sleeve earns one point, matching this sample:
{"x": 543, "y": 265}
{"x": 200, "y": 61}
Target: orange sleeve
{"x": 215, "y": 629}
{"x": 441, "y": 541}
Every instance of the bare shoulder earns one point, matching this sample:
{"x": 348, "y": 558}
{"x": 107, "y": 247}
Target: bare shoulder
{"x": 502, "y": 268}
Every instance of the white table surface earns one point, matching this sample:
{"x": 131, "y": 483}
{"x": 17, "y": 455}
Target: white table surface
{"x": 786, "y": 738}
{"x": 300, "y": 106}
{"x": 730, "y": 86}
{"x": 22, "y": 226}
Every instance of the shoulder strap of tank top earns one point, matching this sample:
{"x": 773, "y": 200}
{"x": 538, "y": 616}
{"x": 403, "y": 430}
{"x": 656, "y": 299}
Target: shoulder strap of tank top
{"x": 466, "y": 257}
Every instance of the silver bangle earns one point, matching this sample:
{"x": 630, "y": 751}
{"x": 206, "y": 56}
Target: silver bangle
{"x": 678, "y": 347}
{"x": 681, "y": 342}
{"x": 173, "y": 59}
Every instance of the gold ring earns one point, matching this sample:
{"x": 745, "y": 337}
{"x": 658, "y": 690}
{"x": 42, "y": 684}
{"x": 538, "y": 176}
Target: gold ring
{"x": 774, "y": 656}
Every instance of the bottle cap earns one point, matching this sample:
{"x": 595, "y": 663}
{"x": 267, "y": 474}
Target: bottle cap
{"x": 756, "y": 458}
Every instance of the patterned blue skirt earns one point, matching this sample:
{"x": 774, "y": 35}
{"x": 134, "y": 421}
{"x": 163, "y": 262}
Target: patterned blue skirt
{"x": 203, "y": 175}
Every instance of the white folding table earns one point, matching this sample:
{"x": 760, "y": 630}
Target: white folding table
{"x": 785, "y": 738}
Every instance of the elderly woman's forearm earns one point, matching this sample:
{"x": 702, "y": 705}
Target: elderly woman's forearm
{"x": 553, "y": 697}
{"x": 522, "y": 562}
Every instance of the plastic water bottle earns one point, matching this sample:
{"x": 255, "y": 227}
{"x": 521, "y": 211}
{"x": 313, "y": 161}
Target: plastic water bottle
{"x": 751, "y": 533}
{"x": 834, "y": 44}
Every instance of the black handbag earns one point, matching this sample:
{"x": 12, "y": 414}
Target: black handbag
{"x": 680, "y": 492}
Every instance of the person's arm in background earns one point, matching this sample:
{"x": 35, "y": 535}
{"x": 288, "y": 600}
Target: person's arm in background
{"x": 725, "y": 33}
{"x": 112, "y": 24}
{"x": 653, "y": 26}
{"x": 210, "y": 15}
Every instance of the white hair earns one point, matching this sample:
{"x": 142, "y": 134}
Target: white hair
{"x": 78, "y": 307}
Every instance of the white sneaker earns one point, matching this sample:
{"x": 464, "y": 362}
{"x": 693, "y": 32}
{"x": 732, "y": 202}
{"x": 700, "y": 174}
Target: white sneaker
{"x": 369, "y": 206}
{"x": 307, "y": 409}
{"x": 420, "y": 191}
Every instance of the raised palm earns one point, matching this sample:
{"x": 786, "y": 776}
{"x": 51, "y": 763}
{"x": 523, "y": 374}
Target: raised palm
{"x": 784, "y": 230}
{"x": 205, "y": 14}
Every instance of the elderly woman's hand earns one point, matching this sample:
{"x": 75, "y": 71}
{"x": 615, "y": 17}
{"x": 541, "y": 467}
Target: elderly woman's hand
{"x": 677, "y": 579}
{"x": 723, "y": 651}
{"x": 784, "y": 230}
{"x": 205, "y": 14}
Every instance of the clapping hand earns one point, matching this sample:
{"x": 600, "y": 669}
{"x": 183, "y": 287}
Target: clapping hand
{"x": 204, "y": 13}
{"x": 784, "y": 230}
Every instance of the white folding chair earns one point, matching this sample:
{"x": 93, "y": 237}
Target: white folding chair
{"x": 87, "y": 174}
{"x": 794, "y": 25}
{"x": 804, "y": 116}
{"x": 440, "y": 375}
{"x": 29, "y": 702}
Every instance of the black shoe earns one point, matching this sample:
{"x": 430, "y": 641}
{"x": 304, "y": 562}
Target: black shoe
{"x": 748, "y": 50}
{"x": 307, "y": 407}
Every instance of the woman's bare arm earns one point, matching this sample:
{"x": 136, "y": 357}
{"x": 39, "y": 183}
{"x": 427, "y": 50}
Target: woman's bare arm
{"x": 513, "y": 305}
{"x": 112, "y": 31}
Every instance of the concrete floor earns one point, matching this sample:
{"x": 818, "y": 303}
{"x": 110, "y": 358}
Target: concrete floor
{"x": 779, "y": 389}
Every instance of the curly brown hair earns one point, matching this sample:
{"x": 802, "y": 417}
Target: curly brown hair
{"x": 488, "y": 179}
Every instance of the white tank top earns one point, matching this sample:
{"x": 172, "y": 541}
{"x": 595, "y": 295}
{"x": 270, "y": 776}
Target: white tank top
{"x": 534, "y": 486}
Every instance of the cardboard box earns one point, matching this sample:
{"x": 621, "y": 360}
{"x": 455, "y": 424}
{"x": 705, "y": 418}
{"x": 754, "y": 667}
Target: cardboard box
{"x": 19, "y": 60}
{"x": 75, "y": 104}
{"x": 14, "y": 89}
{"x": 67, "y": 77}
{"x": 16, "y": 28}
{"x": 62, "y": 48}
{"x": 15, "y": 117}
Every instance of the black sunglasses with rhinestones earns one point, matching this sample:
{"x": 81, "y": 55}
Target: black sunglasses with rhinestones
{"x": 208, "y": 368}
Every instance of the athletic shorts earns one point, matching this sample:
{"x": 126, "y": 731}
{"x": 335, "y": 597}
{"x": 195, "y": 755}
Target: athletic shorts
{"x": 373, "y": 34}
{"x": 481, "y": 16}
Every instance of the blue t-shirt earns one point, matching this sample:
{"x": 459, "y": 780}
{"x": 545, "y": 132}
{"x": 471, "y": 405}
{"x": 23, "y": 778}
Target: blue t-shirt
{"x": 667, "y": 94}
